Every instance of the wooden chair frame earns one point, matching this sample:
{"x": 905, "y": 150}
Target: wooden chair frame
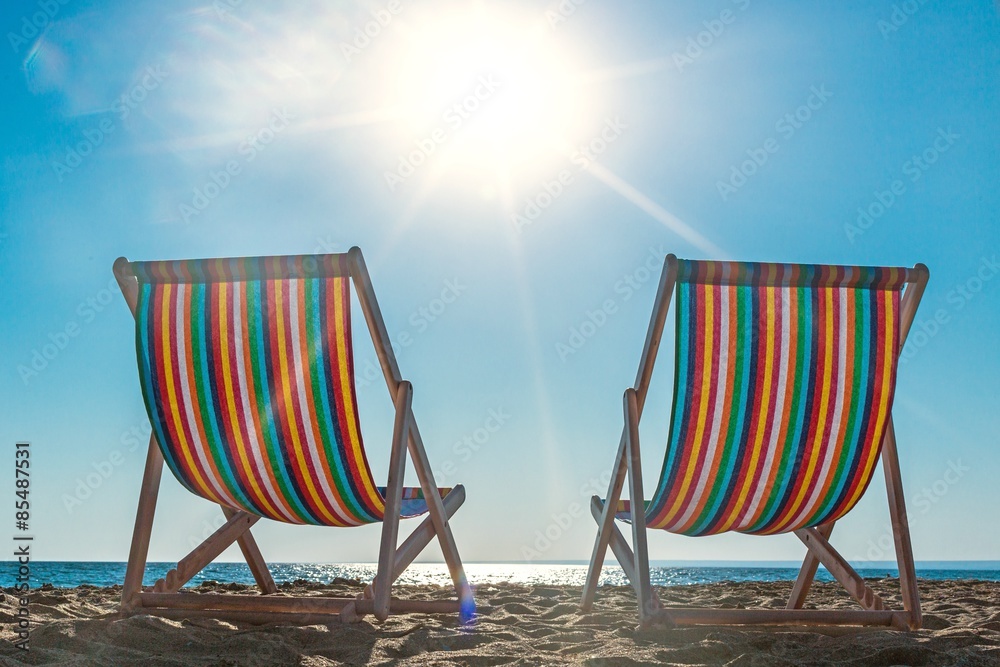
{"x": 634, "y": 560}
{"x": 164, "y": 599}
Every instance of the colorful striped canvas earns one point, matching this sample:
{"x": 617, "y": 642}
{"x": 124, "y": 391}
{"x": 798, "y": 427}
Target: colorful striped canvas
{"x": 783, "y": 388}
{"x": 247, "y": 374}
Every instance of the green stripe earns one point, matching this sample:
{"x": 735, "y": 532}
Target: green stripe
{"x": 840, "y": 474}
{"x": 796, "y": 371}
{"x": 322, "y": 394}
{"x": 731, "y": 446}
{"x": 255, "y": 326}
{"x": 203, "y": 391}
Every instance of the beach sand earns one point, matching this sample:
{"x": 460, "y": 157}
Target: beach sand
{"x": 516, "y": 625}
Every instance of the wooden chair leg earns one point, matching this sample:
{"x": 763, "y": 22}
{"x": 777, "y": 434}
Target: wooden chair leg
{"x": 439, "y": 518}
{"x": 654, "y": 333}
{"x": 643, "y": 590}
{"x": 411, "y": 547}
{"x": 627, "y": 560}
{"x": 619, "y": 546}
{"x": 393, "y": 497}
{"x": 901, "y": 528}
{"x": 605, "y": 524}
{"x": 139, "y": 550}
{"x": 390, "y": 369}
{"x": 258, "y": 568}
{"x": 807, "y": 573}
{"x": 841, "y": 570}
{"x": 206, "y": 552}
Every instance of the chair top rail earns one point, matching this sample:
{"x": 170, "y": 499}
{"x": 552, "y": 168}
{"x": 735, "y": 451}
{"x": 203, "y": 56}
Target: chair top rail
{"x": 773, "y": 274}
{"x": 233, "y": 269}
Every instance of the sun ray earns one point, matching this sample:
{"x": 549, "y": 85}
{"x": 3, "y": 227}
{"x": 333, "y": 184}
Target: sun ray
{"x": 233, "y": 137}
{"x": 626, "y": 71}
{"x": 654, "y": 210}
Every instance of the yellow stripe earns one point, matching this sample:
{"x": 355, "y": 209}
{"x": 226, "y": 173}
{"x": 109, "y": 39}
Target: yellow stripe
{"x": 824, "y": 408}
{"x": 762, "y": 420}
{"x": 289, "y": 405}
{"x": 706, "y": 382}
{"x": 883, "y": 408}
{"x": 346, "y": 383}
{"x": 227, "y": 380}
{"x": 173, "y": 403}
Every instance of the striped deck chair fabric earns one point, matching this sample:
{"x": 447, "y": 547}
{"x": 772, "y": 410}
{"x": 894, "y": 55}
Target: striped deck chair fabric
{"x": 784, "y": 383}
{"x": 247, "y": 373}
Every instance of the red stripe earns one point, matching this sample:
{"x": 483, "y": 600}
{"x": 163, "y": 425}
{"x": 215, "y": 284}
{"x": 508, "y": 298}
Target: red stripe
{"x": 768, "y": 412}
{"x": 359, "y": 470}
{"x": 291, "y": 417}
{"x": 713, "y": 389}
{"x": 850, "y": 366}
{"x": 240, "y": 426}
{"x": 812, "y": 423}
{"x": 697, "y": 297}
{"x": 719, "y": 384}
{"x": 870, "y": 440}
{"x": 234, "y": 346}
{"x": 278, "y": 379}
{"x": 333, "y": 371}
{"x": 310, "y": 426}
{"x": 254, "y": 422}
{"x": 193, "y": 421}
{"x": 832, "y": 401}
{"x": 185, "y": 418}
{"x": 157, "y": 366}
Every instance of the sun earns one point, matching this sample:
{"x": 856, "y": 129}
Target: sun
{"x": 485, "y": 88}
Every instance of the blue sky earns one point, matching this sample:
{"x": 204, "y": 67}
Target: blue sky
{"x": 511, "y": 171}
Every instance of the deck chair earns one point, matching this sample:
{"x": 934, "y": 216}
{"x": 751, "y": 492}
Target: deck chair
{"x": 247, "y": 373}
{"x": 783, "y": 390}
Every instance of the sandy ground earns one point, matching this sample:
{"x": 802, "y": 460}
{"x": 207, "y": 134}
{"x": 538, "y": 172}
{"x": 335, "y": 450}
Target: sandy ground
{"x": 516, "y": 625}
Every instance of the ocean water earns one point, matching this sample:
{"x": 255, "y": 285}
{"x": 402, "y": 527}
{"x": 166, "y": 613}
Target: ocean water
{"x": 68, "y": 574}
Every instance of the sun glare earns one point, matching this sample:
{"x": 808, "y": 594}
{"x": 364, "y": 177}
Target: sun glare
{"x": 485, "y": 89}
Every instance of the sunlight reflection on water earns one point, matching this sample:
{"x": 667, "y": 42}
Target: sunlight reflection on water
{"x": 65, "y": 574}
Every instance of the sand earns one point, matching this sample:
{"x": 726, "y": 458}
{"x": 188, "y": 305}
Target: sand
{"x": 517, "y": 625}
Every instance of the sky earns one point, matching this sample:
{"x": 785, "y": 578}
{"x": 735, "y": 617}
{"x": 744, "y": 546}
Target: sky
{"x": 515, "y": 173}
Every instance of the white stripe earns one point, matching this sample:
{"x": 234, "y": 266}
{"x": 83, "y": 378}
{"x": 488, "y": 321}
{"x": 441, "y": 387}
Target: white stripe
{"x": 308, "y": 411}
{"x": 254, "y": 446}
{"x": 185, "y": 390}
{"x": 826, "y": 471}
{"x": 702, "y": 487}
{"x": 779, "y": 415}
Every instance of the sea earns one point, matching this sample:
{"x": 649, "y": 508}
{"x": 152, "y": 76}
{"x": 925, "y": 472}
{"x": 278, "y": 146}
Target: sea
{"x": 65, "y": 574}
